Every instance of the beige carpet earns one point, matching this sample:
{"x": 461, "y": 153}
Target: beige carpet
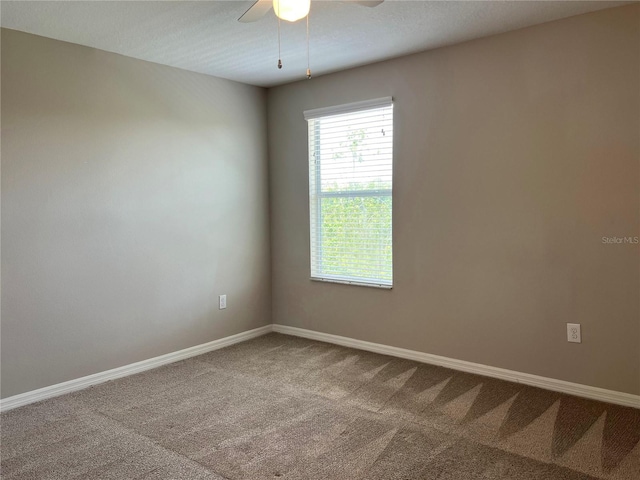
{"x": 289, "y": 408}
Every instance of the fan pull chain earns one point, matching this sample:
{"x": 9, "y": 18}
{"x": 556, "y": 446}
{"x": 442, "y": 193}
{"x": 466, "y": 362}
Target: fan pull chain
{"x": 308, "y": 56}
{"x": 279, "y": 48}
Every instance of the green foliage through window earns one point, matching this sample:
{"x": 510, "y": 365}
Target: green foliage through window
{"x": 346, "y": 223}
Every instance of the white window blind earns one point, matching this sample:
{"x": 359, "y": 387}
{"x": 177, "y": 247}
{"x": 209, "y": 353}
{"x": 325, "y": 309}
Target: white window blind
{"x": 350, "y": 192}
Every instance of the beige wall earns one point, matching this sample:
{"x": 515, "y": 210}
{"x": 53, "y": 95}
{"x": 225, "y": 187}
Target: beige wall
{"x": 514, "y": 156}
{"x": 132, "y": 195}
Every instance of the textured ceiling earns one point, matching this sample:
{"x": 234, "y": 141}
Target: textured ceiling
{"x": 205, "y": 36}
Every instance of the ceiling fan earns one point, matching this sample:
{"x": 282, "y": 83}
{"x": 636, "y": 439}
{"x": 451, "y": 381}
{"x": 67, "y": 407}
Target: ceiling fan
{"x": 290, "y": 10}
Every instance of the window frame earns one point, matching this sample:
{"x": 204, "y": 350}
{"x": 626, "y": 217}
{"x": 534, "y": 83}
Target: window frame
{"x": 318, "y": 195}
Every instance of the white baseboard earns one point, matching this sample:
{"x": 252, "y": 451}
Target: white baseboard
{"x": 577, "y": 389}
{"x": 585, "y": 391}
{"x": 101, "y": 377}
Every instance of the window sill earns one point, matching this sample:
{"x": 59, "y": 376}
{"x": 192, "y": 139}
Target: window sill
{"x": 350, "y": 282}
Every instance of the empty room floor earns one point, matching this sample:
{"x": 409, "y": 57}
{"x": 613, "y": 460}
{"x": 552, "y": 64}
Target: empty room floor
{"x": 285, "y": 407}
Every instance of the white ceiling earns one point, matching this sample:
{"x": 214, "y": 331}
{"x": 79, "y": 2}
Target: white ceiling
{"x": 205, "y": 36}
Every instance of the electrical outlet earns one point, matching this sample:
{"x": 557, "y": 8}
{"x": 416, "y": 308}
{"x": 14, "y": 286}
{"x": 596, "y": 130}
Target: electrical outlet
{"x": 574, "y": 335}
{"x": 222, "y": 302}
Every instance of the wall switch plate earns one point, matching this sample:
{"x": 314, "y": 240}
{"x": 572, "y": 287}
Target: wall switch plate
{"x": 574, "y": 335}
{"x": 222, "y": 302}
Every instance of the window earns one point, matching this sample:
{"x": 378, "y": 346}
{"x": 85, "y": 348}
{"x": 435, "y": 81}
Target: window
{"x": 350, "y": 193}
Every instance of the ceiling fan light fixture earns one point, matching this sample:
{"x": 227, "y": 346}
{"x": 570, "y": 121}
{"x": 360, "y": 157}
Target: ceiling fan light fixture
{"x": 291, "y": 10}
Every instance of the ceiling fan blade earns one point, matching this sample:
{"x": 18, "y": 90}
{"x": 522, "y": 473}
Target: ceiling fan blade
{"x": 256, "y": 11}
{"x": 368, "y": 3}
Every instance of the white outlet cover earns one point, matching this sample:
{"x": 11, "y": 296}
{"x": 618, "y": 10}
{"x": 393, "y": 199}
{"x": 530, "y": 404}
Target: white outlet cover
{"x": 222, "y": 302}
{"x": 574, "y": 334}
